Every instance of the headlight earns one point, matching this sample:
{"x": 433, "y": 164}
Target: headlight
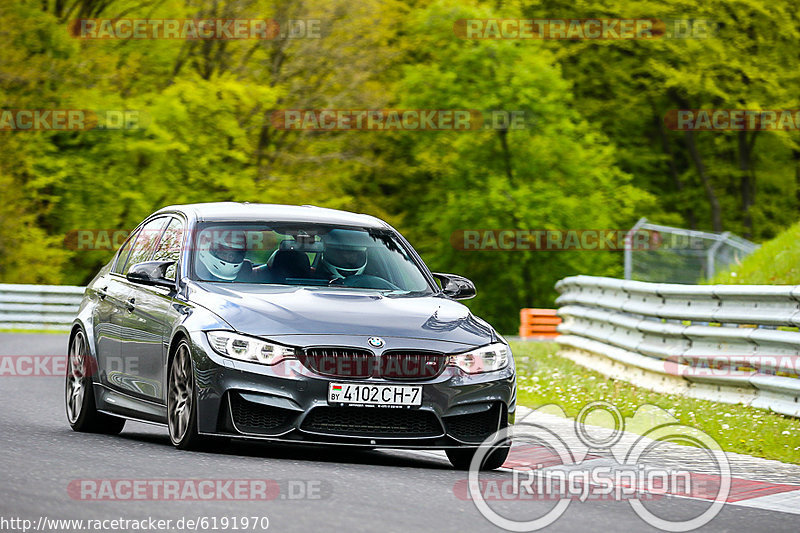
{"x": 248, "y": 348}
{"x": 486, "y": 359}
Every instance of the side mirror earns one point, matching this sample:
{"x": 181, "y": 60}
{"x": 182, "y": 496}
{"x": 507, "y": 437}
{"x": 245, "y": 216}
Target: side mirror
{"x": 456, "y": 287}
{"x": 151, "y": 273}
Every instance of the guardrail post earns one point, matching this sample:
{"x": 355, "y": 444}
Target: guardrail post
{"x": 629, "y": 247}
{"x": 710, "y": 256}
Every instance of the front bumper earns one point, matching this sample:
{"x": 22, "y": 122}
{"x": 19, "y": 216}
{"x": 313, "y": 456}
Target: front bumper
{"x": 288, "y": 402}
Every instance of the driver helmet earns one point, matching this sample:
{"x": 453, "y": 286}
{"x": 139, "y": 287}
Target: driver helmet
{"x": 345, "y": 253}
{"x": 222, "y": 252}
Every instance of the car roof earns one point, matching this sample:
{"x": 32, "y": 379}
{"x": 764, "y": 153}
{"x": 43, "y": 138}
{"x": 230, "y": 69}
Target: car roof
{"x": 247, "y": 212}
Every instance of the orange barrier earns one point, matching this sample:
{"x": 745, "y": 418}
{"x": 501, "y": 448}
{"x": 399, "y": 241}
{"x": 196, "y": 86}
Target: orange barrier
{"x": 538, "y": 323}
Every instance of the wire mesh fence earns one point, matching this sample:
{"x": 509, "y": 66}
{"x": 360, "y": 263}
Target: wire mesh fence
{"x": 675, "y": 255}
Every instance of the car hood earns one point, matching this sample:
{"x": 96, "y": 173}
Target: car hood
{"x": 278, "y": 310}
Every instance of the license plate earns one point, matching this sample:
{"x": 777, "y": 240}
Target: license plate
{"x": 379, "y": 395}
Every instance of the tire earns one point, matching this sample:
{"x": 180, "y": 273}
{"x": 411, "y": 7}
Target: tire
{"x": 182, "y": 401}
{"x": 461, "y": 458}
{"x": 79, "y": 401}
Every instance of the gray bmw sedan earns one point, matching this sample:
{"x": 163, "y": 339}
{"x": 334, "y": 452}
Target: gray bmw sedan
{"x": 291, "y": 323}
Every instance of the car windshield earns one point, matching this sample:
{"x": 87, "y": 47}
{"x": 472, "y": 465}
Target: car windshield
{"x": 308, "y": 255}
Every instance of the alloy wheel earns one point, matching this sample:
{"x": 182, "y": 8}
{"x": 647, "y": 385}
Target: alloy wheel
{"x": 77, "y": 378}
{"x": 180, "y": 394}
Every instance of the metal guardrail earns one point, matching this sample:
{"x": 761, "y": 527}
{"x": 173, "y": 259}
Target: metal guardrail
{"x": 39, "y": 307}
{"x": 730, "y": 343}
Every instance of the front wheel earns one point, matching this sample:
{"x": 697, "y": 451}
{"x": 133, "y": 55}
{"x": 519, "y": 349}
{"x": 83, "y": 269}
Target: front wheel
{"x": 461, "y": 458}
{"x": 181, "y": 401}
{"x": 82, "y": 413}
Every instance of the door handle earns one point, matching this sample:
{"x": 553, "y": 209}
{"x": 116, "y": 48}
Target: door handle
{"x": 131, "y": 304}
{"x": 102, "y": 293}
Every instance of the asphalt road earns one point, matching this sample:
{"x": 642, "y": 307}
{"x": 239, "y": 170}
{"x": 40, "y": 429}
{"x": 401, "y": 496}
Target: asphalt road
{"x": 351, "y": 491}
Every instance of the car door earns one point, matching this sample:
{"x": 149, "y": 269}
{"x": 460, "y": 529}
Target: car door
{"x": 150, "y": 317}
{"x": 111, "y": 294}
{"x": 126, "y": 369}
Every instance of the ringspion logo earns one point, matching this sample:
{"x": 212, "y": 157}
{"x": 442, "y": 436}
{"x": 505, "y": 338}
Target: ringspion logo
{"x": 565, "y": 465}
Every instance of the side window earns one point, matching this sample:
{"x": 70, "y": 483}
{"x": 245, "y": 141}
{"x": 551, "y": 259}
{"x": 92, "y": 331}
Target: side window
{"x": 124, "y": 252}
{"x": 169, "y": 249}
{"x": 145, "y": 243}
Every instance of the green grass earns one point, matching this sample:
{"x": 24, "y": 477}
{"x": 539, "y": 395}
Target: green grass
{"x": 777, "y": 262}
{"x": 37, "y": 331}
{"x": 546, "y": 378}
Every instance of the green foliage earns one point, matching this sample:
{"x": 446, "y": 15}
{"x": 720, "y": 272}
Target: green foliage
{"x": 749, "y": 180}
{"x": 594, "y": 154}
{"x": 777, "y": 262}
{"x": 558, "y": 172}
{"x": 28, "y": 254}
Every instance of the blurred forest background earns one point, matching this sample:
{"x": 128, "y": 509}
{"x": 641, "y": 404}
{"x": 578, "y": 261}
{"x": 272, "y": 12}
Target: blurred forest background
{"x": 596, "y": 154}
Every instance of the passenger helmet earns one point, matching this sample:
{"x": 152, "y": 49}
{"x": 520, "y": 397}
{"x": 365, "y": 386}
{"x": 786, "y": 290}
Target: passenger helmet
{"x": 345, "y": 253}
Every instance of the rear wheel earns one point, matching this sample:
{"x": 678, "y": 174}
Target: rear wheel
{"x": 82, "y": 413}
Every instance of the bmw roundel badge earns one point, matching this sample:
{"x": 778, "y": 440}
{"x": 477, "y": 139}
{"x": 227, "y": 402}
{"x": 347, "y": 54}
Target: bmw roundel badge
{"x": 375, "y": 342}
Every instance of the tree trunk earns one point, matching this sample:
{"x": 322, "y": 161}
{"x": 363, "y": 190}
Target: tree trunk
{"x": 748, "y": 179}
{"x": 708, "y": 187}
{"x": 503, "y": 133}
{"x": 673, "y": 168}
{"x": 796, "y": 157}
